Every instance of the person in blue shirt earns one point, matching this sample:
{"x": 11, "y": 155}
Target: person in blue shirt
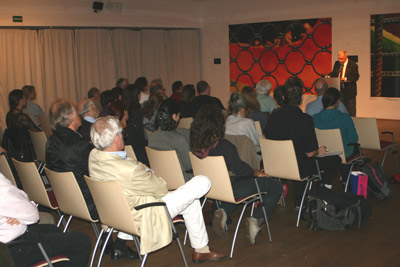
{"x": 331, "y": 118}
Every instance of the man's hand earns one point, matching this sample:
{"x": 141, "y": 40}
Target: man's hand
{"x": 12, "y": 221}
{"x": 259, "y": 173}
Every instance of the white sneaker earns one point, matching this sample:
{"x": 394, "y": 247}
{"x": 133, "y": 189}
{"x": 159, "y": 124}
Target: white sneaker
{"x": 253, "y": 229}
{"x": 219, "y": 222}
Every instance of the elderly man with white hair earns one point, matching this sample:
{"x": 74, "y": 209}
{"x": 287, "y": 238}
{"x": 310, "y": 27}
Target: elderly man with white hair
{"x": 108, "y": 162}
{"x": 88, "y": 112}
{"x": 267, "y": 103}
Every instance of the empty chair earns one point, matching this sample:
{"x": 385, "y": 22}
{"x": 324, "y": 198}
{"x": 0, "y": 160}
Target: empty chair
{"x": 368, "y": 137}
{"x": 129, "y": 152}
{"x": 115, "y": 212}
{"x": 221, "y": 190}
{"x": 45, "y": 125}
{"x": 6, "y": 170}
{"x": 332, "y": 139}
{"x": 280, "y": 161}
{"x": 39, "y": 140}
{"x": 69, "y": 197}
{"x": 166, "y": 165}
{"x": 185, "y": 123}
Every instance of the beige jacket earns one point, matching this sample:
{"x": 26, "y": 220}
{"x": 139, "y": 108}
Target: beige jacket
{"x": 140, "y": 186}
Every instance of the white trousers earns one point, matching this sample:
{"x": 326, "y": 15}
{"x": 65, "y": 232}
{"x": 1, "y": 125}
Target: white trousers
{"x": 185, "y": 201}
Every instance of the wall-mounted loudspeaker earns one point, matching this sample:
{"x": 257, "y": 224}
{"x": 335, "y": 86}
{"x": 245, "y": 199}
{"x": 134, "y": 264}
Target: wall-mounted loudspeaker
{"x": 97, "y": 6}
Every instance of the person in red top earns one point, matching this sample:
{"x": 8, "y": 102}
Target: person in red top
{"x": 177, "y": 91}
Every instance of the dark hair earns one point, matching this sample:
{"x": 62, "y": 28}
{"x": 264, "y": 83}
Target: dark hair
{"x": 236, "y": 102}
{"x": 176, "y": 85}
{"x": 279, "y": 93}
{"x": 330, "y": 98}
{"x": 202, "y": 87}
{"x": 164, "y": 118}
{"x": 120, "y": 82}
{"x": 155, "y": 88}
{"x": 208, "y": 125}
{"x": 251, "y": 97}
{"x": 118, "y": 91}
{"x": 141, "y": 83}
{"x": 92, "y": 92}
{"x": 132, "y": 105}
{"x": 14, "y": 97}
{"x": 27, "y": 90}
{"x": 107, "y": 97}
{"x": 294, "y": 91}
{"x": 188, "y": 93}
{"x": 152, "y": 105}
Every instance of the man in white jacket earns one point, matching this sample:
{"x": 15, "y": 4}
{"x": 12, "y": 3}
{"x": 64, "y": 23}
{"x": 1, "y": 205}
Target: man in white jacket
{"x": 18, "y": 221}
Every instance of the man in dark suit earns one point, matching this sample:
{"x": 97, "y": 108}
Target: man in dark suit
{"x": 203, "y": 96}
{"x": 347, "y": 71}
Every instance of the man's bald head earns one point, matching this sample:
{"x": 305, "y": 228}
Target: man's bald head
{"x": 321, "y": 86}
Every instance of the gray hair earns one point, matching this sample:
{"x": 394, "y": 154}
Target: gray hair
{"x": 59, "y": 113}
{"x": 236, "y": 102}
{"x": 157, "y": 81}
{"x": 104, "y": 131}
{"x": 86, "y": 107}
{"x": 263, "y": 87}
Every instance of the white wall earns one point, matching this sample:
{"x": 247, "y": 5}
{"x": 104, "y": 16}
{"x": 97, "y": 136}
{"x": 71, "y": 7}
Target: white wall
{"x": 350, "y": 31}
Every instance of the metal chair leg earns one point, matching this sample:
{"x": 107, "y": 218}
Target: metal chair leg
{"x": 263, "y": 208}
{"x": 95, "y": 229}
{"x": 95, "y": 248}
{"x": 104, "y": 247}
{"x": 144, "y": 260}
{"x": 137, "y": 244}
{"x": 302, "y": 201}
{"x": 68, "y": 222}
{"x": 237, "y": 229}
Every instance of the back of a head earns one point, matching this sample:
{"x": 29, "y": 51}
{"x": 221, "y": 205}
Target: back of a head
{"x": 188, "y": 93}
{"x": 176, "y": 86}
{"x": 59, "y": 113}
{"x": 14, "y": 97}
{"x": 263, "y": 87}
{"x": 84, "y": 106}
{"x": 130, "y": 97}
{"x": 237, "y": 102}
{"x": 164, "y": 118}
{"x": 27, "y": 90}
{"x": 251, "y": 97}
{"x": 104, "y": 130}
{"x": 92, "y": 92}
{"x": 320, "y": 86}
{"x": 107, "y": 97}
{"x": 330, "y": 98}
{"x": 155, "y": 88}
{"x": 294, "y": 91}
{"x": 208, "y": 124}
{"x": 279, "y": 93}
{"x": 202, "y": 87}
{"x": 157, "y": 81}
{"x": 141, "y": 83}
{"x": 121, "y": 82}
{"x": 152, "y": 105}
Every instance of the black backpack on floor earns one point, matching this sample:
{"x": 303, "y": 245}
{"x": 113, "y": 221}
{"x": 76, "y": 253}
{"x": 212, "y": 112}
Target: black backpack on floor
{"x": 378, "y": 183}
{"x": 337, "y": 210}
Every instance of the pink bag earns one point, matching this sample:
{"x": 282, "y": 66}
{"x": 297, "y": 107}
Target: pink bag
{"x": 359, "y": 183}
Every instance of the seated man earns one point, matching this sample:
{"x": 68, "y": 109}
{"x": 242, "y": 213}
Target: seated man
{"x": 88, "y": 111}
{"x": 18, "y": 221}
{"x": 290, "y": 123}
{"x": 66, "y": 151}
{"x": 108, "y": 162}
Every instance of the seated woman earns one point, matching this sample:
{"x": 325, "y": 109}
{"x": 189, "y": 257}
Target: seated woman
{"x": 253, "y": 107}
{"x": 207, "y": 139}
{"x": 168, "y": 137}
{"x": 267, "y": 104}
{"x": 16, "y": 139}
{"x": 32, "y": 108}
{"x": 150, "y": 109}
{"x": 237, "y": 123}
{"x": 331, "y": 118}
{"x": 188, "y": 96}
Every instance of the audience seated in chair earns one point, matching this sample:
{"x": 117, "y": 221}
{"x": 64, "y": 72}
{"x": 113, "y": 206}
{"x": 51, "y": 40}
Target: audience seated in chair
{"x": 253, "y": 107}
{"x": 290, "y": 123}
{"x": 204, "y": 96}
{"x": 237, "y": 123}
{"x": 18, "y": 221}
{"x": 168, "y": 137}
{"x": 88, "y": 112}
{"x": 207, "y": 139}
{"x": 31, "y": 107}
{"x": 150, "y": 109}
{"x": 188, "y": 96}
{"x": 140, "y": 185}
{"x": 267, "y": 104}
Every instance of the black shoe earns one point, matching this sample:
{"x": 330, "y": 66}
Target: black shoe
{"x": 125, "y": 253}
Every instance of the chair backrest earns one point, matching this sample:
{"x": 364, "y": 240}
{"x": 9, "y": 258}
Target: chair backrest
{"x": 39, "y": 140}
{"x": 32, "y": 183}
{"x": 245, "y": 149}
{"x": 68, "y": 194}
{"x": 129, "y": 152}
{"x": 258, "y": 128}
{"x": 332, "y": 139}
{"x": 166, "y": 165}
{"x": 280, "y": 159}
{"x": 368, "y": 134}
{"x": 185, "y": 122}
{"x": 215, "y": 169}
{"x": 45, "y": 125}
{"x": 111, "y": 204}
{"x": 6, "y": 170}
